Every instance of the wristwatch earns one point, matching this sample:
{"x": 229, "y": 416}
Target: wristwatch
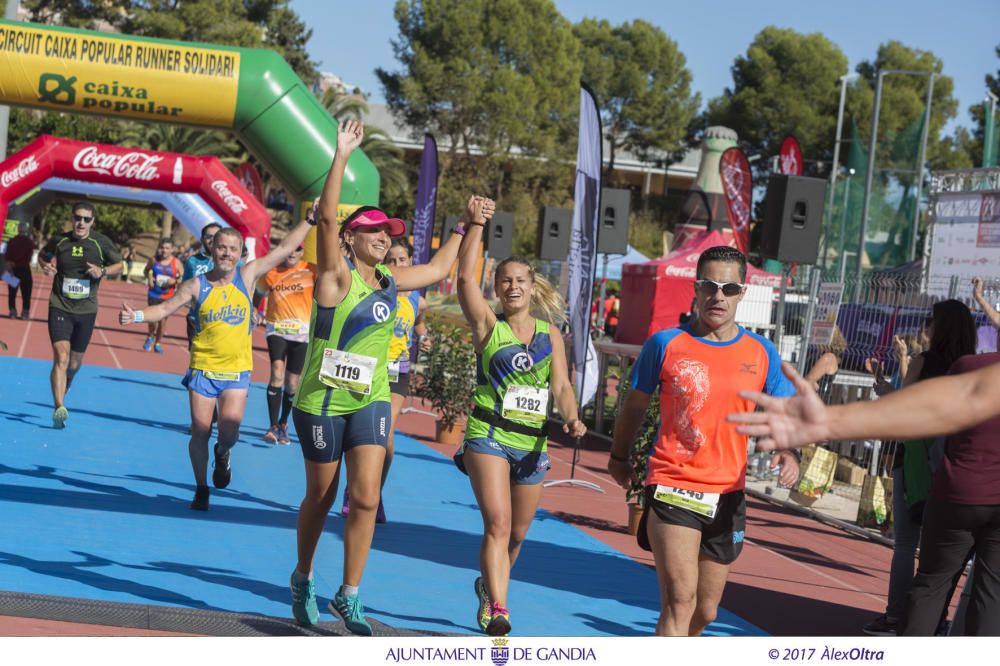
{"x": 104, "y": 271}
{"x": 459, "y": 229}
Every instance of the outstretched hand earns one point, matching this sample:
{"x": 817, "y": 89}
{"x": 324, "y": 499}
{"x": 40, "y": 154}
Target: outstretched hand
{"x": 126, "y": 315}
{"x": 350, "y": 134}
{"x": 977, "y": 287}
{"x": 785, "y": 423}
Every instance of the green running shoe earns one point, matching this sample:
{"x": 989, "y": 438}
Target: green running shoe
{"x": 59, "y": 418}
{"x": 483, "y": 614}
{"x": 304, "y": 601}
{"x": 351, "y": 611}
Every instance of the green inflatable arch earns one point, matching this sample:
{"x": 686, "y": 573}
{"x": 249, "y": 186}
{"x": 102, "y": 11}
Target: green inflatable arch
{"x": 251, "y": 92}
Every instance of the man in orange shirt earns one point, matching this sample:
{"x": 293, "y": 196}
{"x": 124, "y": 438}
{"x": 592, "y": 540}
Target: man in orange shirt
{"x": 695, "y": 512}
{"x": 289, "y": 288}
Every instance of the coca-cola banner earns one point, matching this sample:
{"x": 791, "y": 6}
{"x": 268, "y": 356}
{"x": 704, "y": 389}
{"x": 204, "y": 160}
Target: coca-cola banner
{"x": 790, "y": 158}
{"x": 737, "y": 187}
{"x": 206, "y": 177}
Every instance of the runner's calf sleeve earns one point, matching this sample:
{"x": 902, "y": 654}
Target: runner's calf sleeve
{"x": 286, "y": 405}
{"x": 273, "y": 403}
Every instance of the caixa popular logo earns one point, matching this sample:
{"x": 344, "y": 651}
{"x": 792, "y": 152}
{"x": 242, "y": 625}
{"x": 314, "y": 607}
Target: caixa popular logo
{"x": 233, "y": 201}
{"x": 25, "y": 167}
{"x": 134, "y": 166}
{"x": 500, "y": 653}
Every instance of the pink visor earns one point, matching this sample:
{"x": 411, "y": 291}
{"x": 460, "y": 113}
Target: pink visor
{"x": 374, "y": 217}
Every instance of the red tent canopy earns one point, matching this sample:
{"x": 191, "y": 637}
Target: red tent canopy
{"x": 656, "y": 293}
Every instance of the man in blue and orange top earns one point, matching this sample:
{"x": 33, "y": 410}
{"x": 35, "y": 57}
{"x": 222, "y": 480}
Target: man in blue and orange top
{"x": 695, "y": 512}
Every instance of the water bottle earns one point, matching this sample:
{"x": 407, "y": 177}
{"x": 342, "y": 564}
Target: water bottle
{"x": 178, "y": 171}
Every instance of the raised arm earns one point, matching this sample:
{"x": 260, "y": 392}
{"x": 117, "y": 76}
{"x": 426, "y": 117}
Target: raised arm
{"x": 186, "y": 293}
{"x": 419, "y": 276}
{"x": 562, "y": 389}
{"x": 333, "y": 276}
{"x": 258, "y": 268}
{"x": 988, "y": 309}
{"x": 470, "y": 296}
{"x": 926, "y": 409}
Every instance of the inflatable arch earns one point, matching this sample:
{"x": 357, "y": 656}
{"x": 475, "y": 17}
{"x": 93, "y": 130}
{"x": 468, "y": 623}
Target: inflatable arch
{"x": 132, "y": 174}
{"x": 251, "y": 92}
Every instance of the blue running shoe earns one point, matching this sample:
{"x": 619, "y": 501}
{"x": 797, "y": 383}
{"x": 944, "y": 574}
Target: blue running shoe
{"x": 148, "y": 344}
{"x": 351, "y": 611}
{"x": 304, "y": 601}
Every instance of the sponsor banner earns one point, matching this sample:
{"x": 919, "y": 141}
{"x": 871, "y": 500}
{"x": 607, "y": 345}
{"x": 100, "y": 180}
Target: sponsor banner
{"x": 583, "y": 240}
{"x": 790, "y": 157}
{"x": 113, "y": 76}
{"x": 426, "y": 203}
{"x": 965, "y": 242}
{"x": 825, "y": 315}
{"x": 737, "y": 187}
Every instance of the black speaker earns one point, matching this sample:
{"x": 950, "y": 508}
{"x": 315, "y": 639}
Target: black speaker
{"x": 553, "y": 233}
{"x": 450, "y": 223}
{"x": 500, "y": 236}
{"x": 612, "y": 228}
{"x": 793, "y": 218}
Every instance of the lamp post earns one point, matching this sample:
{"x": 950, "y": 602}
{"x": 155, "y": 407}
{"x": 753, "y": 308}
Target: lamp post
{"x": 836, "y": 156}
{"x": 866, "y": 206}
{"x": 843, "y": 224}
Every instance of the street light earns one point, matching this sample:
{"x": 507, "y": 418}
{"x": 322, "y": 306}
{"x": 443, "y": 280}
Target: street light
{"x": 843, "y": 225}
{"x": 871, "y": 164}
{"x": 836, "y": 153}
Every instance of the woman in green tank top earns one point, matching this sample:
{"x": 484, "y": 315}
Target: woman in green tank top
{"x": 342, "y": 406}
{"x": 521, "y": 359}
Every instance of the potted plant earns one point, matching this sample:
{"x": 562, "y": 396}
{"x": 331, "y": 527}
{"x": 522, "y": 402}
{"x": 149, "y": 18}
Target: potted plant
{"x": 638, "y": 457}
{"x": 447, "y": 379}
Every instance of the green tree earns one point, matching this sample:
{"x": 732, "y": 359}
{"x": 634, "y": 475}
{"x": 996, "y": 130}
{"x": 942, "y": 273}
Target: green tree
{"x": 973, "y": 144}
{"x": 786, "y": 83}
{"x": 642, "y": 84}
{"x": 492, "y": 79}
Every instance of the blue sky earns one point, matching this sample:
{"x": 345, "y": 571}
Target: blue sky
{"x": 352, "y": 39}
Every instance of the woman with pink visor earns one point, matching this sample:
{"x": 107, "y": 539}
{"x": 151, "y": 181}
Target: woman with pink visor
{"x": 342, "y": 408}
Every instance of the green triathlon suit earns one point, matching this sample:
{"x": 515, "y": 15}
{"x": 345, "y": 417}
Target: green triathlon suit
{"x": 512, "y": 385}
{"x": 347, "y": 360}
{"x": 73, "y": 290}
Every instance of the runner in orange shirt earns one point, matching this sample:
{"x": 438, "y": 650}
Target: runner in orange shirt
{"x": 289, "y": 292}
{"x": 695, "y": 512}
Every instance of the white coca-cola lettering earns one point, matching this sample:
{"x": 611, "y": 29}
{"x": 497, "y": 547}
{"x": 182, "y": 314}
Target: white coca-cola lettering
{"x": 134, "y": 166}
{"x": 25, "y": 167}
{"x": 234, "y": 201}
{"x": 680, "y": 271}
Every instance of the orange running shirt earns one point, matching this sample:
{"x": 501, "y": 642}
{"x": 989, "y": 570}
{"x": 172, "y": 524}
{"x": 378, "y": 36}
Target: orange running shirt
{"x": 289, "y": 302}
{"x": 699, "y": 382}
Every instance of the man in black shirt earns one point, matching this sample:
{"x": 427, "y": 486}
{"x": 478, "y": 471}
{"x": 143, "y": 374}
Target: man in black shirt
{"x": 79, "y": 259}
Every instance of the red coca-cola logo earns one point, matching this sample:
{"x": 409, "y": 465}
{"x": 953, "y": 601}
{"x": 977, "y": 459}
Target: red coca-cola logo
{"x": 26, "y": 166}
{"x": 233, "y": 201}
{"x": 134, "y": 166}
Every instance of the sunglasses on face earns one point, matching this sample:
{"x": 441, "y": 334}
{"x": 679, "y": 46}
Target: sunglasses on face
{"x": 82, "y": 218}
{"x": 710, "y": 287}
{"x": 207, "y": 237}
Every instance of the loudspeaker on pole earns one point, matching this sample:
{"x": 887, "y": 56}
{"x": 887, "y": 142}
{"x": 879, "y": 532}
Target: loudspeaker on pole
{"x": 793, "y": 219}
{"x": 553, "y": 233}
{"x": 612, "y": 234}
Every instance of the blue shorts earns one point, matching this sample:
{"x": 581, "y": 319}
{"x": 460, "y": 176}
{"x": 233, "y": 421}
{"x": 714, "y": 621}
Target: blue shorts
{"x": 325, "y": 438}
{"x": 195, "y": 380}
{"x": 527, "y": 468}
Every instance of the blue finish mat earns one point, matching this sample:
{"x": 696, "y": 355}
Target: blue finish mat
{"x": 100, "y": 511}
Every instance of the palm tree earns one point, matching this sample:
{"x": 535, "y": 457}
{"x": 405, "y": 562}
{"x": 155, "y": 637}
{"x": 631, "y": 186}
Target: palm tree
{"x": 184, "y": 140}
{"x": 377, "y": 146}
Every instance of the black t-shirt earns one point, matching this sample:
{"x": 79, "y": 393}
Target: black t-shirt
{"x": 73, "y": 290}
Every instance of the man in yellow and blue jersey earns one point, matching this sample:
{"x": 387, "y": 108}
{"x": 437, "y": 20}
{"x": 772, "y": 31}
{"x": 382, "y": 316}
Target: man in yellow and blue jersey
{"x": 221, "y": 353}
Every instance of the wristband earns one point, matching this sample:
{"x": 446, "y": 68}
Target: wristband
{"x": 459, "y": 229}
{"x": 617, "y": 458}
{"x": 104, "y": 271}
{"x": 138, "y": 317}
